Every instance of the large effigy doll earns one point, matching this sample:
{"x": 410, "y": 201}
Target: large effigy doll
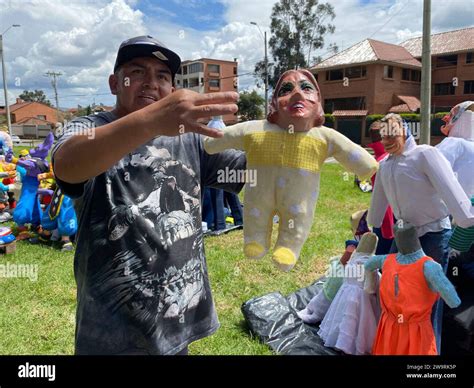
{"x": 286, "y": 153}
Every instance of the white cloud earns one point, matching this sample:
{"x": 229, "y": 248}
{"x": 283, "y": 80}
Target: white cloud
{"x": 80, "y": 40}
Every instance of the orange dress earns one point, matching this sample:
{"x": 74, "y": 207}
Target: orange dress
{"x": 406, "y": 300}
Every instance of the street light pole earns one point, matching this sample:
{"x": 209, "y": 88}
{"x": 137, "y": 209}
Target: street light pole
{"x": 4, "y": 74}
{"x": 266, "y": 66}
{"x": 266, "y": 77}
{"x": 425, "y": 136}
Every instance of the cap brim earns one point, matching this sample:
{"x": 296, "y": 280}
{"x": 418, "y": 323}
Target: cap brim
{"x": 168, "y": 57}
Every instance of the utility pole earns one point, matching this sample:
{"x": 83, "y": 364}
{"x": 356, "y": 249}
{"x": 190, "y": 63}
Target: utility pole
{"x": 266, "y": 66}
{"x": 54, "y": 83}
{"x": 425, "y": 129}
{"x": 266, "y": 77}
{"x": 5, "y": 89}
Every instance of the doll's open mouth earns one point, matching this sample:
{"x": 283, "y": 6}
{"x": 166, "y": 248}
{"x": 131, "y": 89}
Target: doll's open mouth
{"x": 297, "y": 106}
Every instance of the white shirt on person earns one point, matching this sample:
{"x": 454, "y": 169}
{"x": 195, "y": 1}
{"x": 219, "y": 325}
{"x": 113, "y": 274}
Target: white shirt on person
{"x": 422, "y": 189}
{"x": 458, "y": 148}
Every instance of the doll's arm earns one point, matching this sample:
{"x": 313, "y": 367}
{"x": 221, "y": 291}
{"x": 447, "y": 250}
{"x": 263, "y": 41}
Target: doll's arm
{"x": 451, "y": 149}
{"x": 352, "y": 156}
{"x": 375, "y": 262}
{"x": 378, "y": 204}
{"x": 441, "y": 175}
{"x": 334, "y": 278}
{"x": 233, "y": 139}
{"x": 438, "y": 282}
{"x": 371, "y": 281}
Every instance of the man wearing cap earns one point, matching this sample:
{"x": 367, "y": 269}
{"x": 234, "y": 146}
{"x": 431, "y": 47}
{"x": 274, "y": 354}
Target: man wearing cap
{"x": 140, "y": 268}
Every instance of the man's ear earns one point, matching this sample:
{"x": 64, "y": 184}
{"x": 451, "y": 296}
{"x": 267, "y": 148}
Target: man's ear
{"x": 113, "y": 84}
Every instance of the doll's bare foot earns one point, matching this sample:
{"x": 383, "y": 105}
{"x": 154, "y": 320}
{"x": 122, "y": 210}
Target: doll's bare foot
{"x": 254, "y": 250}
{"x": 284, "y": 258}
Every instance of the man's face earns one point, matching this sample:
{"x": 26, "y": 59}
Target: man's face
{"x": 298, "y": 100}
{"x": 393, "y": 137}
{"x": 139, "y": 83}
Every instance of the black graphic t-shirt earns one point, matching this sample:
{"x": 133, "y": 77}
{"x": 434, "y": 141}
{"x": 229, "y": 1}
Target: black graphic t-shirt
{"x": 140, "y": 268}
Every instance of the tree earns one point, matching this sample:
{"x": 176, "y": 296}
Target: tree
{"x": 298, "y": 28}
{"x": 36, "y": 96}
{"x": 250, "y": 106}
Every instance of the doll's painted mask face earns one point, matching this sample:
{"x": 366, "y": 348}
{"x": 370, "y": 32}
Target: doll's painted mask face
{"x": 297, "y": 98}
{"x": 393, "y": 136}
{"x": 457, "y": 118}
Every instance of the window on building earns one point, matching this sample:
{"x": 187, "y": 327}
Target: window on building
{"x": 468, "y": 87}
{"x": 333, "y": 75}
{"x": 388, "y": 71}
{"x": 193, "y": 82}
{"x": 178, "y": 82}
{"x": 185, "y": 83}
{"x": 353, "y": 72}
{"x": 350, "y": 103}
{"x": 214, "y": 83}
{"x": 446, "y": 60}
{"x": 195, "y": 68}
{"x": 349, "y": 72}
{"x": 235, "y": 71}
{"x": 446, "y": 89}
{"x": 213, "y": 68}
{"x": 415, "y": 75}
{"x": 42, "y": 117}
{"x": 185, "y": 70}
{"x": 470, "y": 57}
{"x": 406, "y": 74}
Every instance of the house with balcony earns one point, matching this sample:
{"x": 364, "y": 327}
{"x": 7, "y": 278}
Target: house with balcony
{"x": 452, "y": 66}
{"x": 374, "y": 77}
{"x": 208, "y": 75}
{"x": 368, "y": 78}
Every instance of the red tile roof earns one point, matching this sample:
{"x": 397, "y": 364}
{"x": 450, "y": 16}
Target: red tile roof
{"x": 350, "y": 113}
{"x": 402, "y": 108}
{"x": 392, "y": 53}
{"x": 444, "y": 42}
{"x": 33, "y": 120}
{"x": 370, "y": 51}
{"x": 412, "y": 102}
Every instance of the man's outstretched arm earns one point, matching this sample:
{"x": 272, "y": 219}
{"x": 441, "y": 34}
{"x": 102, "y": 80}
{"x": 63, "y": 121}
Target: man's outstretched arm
{"x": 81, "y": 158}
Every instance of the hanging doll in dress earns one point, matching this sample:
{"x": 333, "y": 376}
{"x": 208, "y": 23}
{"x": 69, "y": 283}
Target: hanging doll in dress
{"x": 317, "y": 308}
{"x": 319, "y": 304}
{"x": 350, "y": 323}
{"x": 287, "y": 152}
{"x": 410, "y": 285}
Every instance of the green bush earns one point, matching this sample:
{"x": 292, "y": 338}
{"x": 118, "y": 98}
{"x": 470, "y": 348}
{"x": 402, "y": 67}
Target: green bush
{"x": 329, "y": 120}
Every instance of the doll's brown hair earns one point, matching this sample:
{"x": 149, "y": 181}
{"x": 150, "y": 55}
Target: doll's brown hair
{"x": 273, "y": 111}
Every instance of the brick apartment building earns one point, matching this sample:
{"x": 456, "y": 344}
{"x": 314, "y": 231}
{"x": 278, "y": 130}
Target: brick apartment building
{"x": 207, "y": 75}
{"x": 374, "y": 77}
{"x": 31, "y": 119}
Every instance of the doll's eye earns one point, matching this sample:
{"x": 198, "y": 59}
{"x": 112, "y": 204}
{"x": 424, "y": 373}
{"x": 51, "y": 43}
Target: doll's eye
{"x": 285, "y": 89}
{"x": 307, "y": 86}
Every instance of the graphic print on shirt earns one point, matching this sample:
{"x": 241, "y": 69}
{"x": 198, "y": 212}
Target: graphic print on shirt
{"x": 159, "y": 273}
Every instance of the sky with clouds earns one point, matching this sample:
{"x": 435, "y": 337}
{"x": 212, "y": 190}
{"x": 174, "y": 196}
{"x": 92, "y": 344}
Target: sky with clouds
{"x": 79, "y": 38}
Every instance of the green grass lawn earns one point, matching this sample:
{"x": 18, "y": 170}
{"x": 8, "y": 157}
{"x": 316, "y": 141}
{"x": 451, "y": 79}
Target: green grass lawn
{"x": 39, "y": 317}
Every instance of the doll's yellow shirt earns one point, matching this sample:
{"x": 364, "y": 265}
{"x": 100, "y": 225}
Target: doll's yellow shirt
{"x": 267, "y": 144}
{"x": 284, "y": 149}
